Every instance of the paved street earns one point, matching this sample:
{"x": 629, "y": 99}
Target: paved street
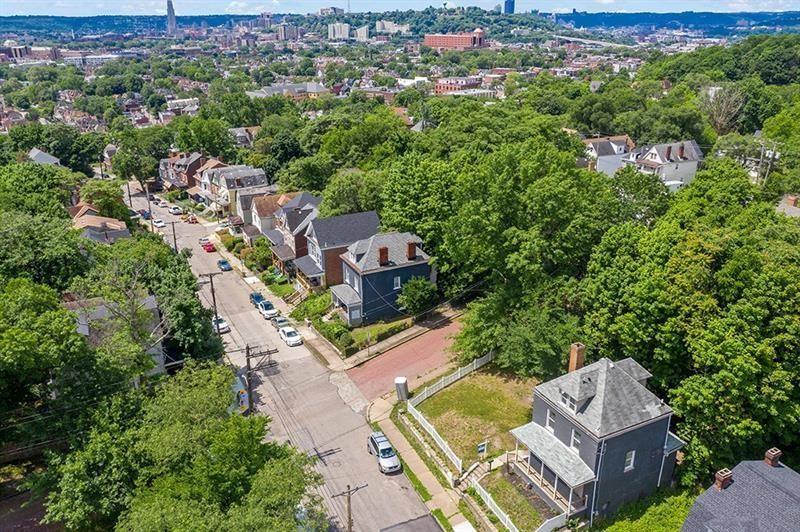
{"x": 317, "y": 410}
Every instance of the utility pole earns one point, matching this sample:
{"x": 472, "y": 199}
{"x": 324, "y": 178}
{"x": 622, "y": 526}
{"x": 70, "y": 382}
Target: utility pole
{"x": 174, "y": 236}
{"x": 130, "y": 201}
{"x": 213, "y": 295}
{"x": 149, "y": 208}
{"x": 249, "y": 379}
{"x": 264, "y": 361}
{"x": 348, "y": 493}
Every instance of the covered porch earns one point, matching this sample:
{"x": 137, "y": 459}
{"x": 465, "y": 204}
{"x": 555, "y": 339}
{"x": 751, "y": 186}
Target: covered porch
{"x": 556, "y": 470}
{"x": 348, "y": 302}
{"x": 309, "y": 275}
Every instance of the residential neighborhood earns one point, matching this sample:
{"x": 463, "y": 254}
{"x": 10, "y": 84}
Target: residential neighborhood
{"x": 444, "y": 268}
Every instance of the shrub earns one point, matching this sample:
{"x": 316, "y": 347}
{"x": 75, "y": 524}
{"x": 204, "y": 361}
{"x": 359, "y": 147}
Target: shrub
{"x": 418, "y": 295}
{"x": 313, "y": 307}
{"x": 337, "y": 333}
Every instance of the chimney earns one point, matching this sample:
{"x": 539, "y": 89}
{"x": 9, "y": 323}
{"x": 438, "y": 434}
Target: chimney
{"x": 723, "y": 478}
{"x": 791, "y": 200}
{"x": 773, "y": 457}
{"x": 411, "y": 251}
{"x": 669, "y": 152}
{"x": 576, "y": 356}
{"x": 383, "y": 255}
{"x": 682, "y": 151}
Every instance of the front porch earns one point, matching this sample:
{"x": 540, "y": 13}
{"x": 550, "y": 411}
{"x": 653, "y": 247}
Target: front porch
{"x": 554, "y": 470}
{"x": 309, "y": 275}
{"x": 348, "y": 303}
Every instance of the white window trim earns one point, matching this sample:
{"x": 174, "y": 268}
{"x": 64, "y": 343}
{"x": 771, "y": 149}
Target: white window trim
{"x": 572, "y": 441}
{"x": 397, "y": 282}
{"x": 632, "y": 454}
{"x": 547, "y": 424}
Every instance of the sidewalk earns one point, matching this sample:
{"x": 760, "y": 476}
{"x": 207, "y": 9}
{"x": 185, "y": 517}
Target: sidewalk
{"x": 443, "y": 499}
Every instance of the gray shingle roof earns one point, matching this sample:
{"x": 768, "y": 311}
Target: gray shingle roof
{"x": 346, "y": 294}
{"x": 614, "y": 400}
{"x": 634, "y": 369}
{"x": 307, "y": 265}
{"x": 39, "y": 157}
{"x": 343, "y": 230}
{"x": 558, "y": 457}
{"x": 365, "y": 252}
{"x": 761, "y": 498}
{"x": 238, "y": 176}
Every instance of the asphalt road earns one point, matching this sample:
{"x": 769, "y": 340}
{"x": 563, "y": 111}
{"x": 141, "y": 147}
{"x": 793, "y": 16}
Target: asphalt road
{"x": 318, "y": 411}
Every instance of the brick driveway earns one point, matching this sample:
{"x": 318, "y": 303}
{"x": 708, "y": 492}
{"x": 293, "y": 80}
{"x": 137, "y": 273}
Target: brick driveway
{"x": 414, "y": 359}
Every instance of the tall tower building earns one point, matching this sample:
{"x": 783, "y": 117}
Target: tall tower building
{"x": 172, "y": 24}
{"x": 509, "y": 7}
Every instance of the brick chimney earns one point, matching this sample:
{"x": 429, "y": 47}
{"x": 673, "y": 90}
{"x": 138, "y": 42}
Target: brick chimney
{"x": 723, "y": 478}
{"x": 669, "y": 152}
{"x": 576, "y": 356}
{"x": 682, "y": 151}
{"x": 411, "y": 251}
{"x": 791, "y": 200}
{"x": 773, "y": 457}
{"x": 383, "y": 255}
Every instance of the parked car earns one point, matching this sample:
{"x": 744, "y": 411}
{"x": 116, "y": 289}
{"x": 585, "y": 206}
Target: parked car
{"x": 224, "y": 224}
{"x": 279, "y": 322}
{"x": 267, "y": 309}
{"x": 256, "y": 298}
{"x": 203, "y": 240}
{"x": 158, "y": 222}
{"x": 163, "y": 203}
{"x": 175, "y": 210}
{"x": 224, "y": 265}
{"x": 379, "y": 446}
{"x": 290, "y": 336}
{"x": 209, "y": 247}
{"x": 144, "y": 214}
{"x": 134, "y": 214}
{"x": 192, "y": 219}
{"x": 220, "y": 325}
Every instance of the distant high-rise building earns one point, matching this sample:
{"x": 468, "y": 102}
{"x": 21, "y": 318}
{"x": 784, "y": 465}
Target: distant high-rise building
{"x": 362, "y": 34}
{"x": 387, "y": 26}
{"x": 172, "y": 24}
{"x": 509, "y": 7}
{"x": 326, "y": 11}
{"x": 287, "y": 32}
{"x": 338, "y": 31}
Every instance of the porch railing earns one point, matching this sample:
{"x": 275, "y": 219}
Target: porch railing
{"x": 537, "y": 478}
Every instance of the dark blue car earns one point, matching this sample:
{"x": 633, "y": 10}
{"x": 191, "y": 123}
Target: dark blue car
{"x": 224, "y": 265}
{"x": 256, "y": 298}
{"x": 144, "y": 214}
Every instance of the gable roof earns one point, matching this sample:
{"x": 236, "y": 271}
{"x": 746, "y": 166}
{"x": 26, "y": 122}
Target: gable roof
{"x": 267, "y": 205}
{"x": 211, "y": 164}
{"x": 246, "y": 198}
{"x": 365, "y": 251}
{"x": 761, "y": 498}
{"x": 614, "y": 400}
{"x": 39, "y": 157}
{"x": 343, "y": 230}
{"x": 239, "y": 176}
{"x": 691, "y": 152}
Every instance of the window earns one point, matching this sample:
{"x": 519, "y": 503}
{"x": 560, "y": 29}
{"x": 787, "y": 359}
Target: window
{"x": 397, "y": 282}
{"x": 568, "y": 401}
{"x": 630, "y": 458}
{"x": 550, "y": 424}
{"x": 575, "y": 442}
{"x": 347, "y": 276}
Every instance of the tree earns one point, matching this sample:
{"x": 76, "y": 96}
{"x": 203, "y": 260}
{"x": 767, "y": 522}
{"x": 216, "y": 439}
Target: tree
{"x": 209, "y": 136}
{"x": 723, "y": 106}
{"x": 106, "y": 195}
{"x": 352, "y": 190}
{"x": 307, "y": 173}
{"x": 418, "y": 295}
{"x": 36, "y": 189}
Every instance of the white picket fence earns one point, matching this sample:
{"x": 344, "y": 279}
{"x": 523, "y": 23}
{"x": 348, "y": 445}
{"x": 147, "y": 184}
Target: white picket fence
{"x": 504, "y": 518}
{"x": 442, "y": 383}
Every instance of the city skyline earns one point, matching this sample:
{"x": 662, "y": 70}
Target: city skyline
{"x": 207, "y": 7}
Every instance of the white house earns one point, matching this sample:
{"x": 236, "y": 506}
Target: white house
{"x": 675, "y": 163}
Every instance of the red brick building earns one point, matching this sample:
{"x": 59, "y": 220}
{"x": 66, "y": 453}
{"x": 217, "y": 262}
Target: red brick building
{"x": 445, "y": 85}
{"x": 456, "y": 41}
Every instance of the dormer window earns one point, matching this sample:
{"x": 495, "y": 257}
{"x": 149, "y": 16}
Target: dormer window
{"x": 568, "y": 401}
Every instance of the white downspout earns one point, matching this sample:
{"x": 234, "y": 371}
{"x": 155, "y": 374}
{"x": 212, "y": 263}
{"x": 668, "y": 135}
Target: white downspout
{"x": 597, "y": 481}
{"x": 663, "y": 453}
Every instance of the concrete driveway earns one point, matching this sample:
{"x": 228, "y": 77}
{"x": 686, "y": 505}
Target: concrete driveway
{"x": 318, "y": 411}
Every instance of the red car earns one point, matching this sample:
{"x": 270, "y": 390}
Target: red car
{"x": 209, "y": 247}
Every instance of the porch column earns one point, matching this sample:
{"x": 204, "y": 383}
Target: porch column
{"x": 541, "y": 474}
{"x": 569, "y": 504}
{"x": 555, "y": 490}
{"x": 516, "y": 450}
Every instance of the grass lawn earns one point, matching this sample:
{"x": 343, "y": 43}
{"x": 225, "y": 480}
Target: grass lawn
{"x": 663, "y": 511}
{"x": 372, "y": 334}
{"x": 438, "y": 514}
{"x": 484, "y": 405}
{"x": 508, "y": 497}
{"x": 280, "y": 289}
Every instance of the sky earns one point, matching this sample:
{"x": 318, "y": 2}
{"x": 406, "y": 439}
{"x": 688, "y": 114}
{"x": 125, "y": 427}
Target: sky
{"x": 203, "y": 7}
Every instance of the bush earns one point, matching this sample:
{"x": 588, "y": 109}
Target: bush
{"x": 337, "y": 333}
{"x": 238, "y": 246}
{"x": 174, "y": 195}
{"x": 313, "y": 307}
{"x": 418, "y": 295}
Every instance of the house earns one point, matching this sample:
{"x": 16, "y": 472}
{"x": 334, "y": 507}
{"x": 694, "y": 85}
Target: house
{"x": 374, "y": 272}
{"x": 756, "y": 495}
{"x": 288, "y": 237}
{"x": 297, "y": 91}
{"x": 108, "y": 153}
{"x": 606, "y": 153}
{"x": 244, "y": 200}
{"x": 327, "y": 239}
{"x": 100, "y": 228}
{"x": 202, "y": 192}
{"x": 264, "y": 207}
{"x": 92, "y": 315}
{"x": 180, "y": 171}
{"x": 243, "y": 137}
{"x": 39, "y": 157}
{"x": 598, "y": 439}
{"x": 675, "y": 163}
{"x": 225, "y": 182}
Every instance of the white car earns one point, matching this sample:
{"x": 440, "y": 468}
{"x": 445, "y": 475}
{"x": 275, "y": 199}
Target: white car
{"x": 220, "y": 325}
{"x": 290, "y": 336}
{"x": 268, "y": 310}
{"x": 175, "y": 210}
{"x": 163, "y": 203}
{"x": 379, "y": 446}
{"x": 158, "y": 222}
{"x": 204, "y": 240}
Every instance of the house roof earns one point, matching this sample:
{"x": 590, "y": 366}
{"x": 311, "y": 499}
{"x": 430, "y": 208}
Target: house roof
{"x": 82, "y": 208}
{"x": 307, "y": 265}
{"x": 365, "y": 251}
{"x": 612, "y": 399}
{"x": 246, "y": 197}
{"x": 691, "y": 152}
{"x": 761, "y": 498}
{"x": 634, "y": 369}
{"x": 346, "y": 294}
{"x": 558, "y": 457}
{"x": 39, "y": 157}
{"x": 239, "y": 176}
{"x": 267, "y": 205}
{"x": 274, "y": 236}
{"x": 283, "y": 252}
{"x": 251, "y": 230}
{"x": 211, "y": 164}
{"x": 343, "y": 230}
{"x": 99, "y": 223}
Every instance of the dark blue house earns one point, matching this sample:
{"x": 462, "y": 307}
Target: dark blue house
{"x": 374, "y": 272}
{"x": 599, "y": 438}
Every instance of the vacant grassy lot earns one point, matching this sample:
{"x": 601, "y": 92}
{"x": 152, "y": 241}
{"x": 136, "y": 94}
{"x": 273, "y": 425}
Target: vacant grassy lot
{"x": 484, "y": 405}
{"x": 664, "y": 511}
{"x": 511, "y": 501}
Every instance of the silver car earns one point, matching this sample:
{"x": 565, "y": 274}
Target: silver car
{"x": 379, "y": 446}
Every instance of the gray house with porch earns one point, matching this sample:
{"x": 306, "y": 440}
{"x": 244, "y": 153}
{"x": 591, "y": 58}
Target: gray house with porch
{"x": 598, "y": 439}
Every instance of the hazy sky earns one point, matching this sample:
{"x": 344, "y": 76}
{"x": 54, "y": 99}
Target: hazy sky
{"x": 199, "y": 7}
